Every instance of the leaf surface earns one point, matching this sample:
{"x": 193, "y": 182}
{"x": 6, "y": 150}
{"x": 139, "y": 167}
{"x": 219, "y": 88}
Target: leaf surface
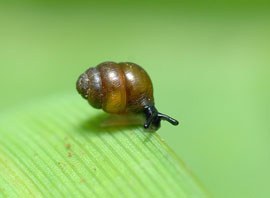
{"x": 62, "y": 147}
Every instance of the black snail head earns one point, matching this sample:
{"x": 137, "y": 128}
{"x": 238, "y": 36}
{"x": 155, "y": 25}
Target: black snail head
{"x": 121, "y": 88}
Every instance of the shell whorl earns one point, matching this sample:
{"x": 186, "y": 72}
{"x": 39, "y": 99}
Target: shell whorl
{"x": 116, "y": 87}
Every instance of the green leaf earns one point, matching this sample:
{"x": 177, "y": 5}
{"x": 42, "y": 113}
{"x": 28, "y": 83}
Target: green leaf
{"x": 63, "y": 147}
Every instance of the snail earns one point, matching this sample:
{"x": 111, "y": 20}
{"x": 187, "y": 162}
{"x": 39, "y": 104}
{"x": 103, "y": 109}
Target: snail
{"x": 120, "y": 88}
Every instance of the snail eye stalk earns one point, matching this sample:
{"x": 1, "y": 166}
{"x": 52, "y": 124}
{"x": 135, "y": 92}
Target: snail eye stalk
{"x": 153, "y": 118}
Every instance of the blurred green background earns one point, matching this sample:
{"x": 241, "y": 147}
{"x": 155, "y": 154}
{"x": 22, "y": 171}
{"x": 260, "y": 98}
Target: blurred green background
{"x": 209, "y": 63}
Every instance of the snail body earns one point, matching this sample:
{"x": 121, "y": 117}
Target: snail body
{"x": 120, "y": 88}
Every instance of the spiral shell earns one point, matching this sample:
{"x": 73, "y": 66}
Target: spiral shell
{"x": 116, "y": 87}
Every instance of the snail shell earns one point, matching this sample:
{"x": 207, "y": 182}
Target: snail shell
{"x": 116, "y": 87}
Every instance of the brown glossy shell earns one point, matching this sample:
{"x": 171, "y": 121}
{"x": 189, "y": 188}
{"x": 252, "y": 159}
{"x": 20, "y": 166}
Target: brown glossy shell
{"x": 116, "y": 87}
